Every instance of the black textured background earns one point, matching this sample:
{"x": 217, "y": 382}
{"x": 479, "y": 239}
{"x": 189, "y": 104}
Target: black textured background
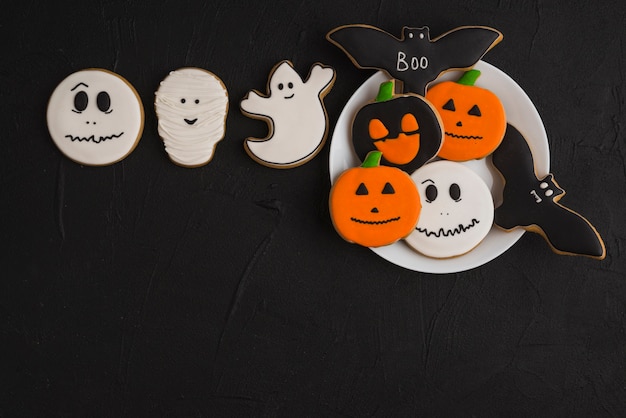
{"x": 147, "y": 289}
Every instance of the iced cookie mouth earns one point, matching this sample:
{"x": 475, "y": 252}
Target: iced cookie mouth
{"x": 289, "y": 97}
{"x": 463, "y": 136}
{"x": 383, "y": 222}
{"x": 448, "y": 232}
{"x": 93, "y": 138}
{"x": 191, "y": 121}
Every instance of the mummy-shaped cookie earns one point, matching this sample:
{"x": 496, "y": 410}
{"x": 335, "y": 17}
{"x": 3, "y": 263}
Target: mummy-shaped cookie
{"x": 295, "y": 114}
{"x": 457, "y": 210}
{"x": 95, "y": 117}
{"x": 191, "y": 105}
{"x": 530, "y": 202}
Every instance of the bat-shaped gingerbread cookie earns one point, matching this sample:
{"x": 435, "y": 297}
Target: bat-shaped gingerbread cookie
{"x": 532, "y": 203}
{"x": 414, "y": 58}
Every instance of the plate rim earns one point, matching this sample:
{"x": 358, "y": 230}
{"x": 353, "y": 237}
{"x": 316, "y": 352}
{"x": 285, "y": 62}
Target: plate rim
{"x": 519, "y": 109}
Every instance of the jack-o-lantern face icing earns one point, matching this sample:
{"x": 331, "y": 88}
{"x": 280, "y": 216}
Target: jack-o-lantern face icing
{"x": 473, "y": 118}
{"x": 405, "y": 128}
{"x": 457, "y": 210}
{"x": 95, "y": 117}
{"x": 374, "y": 205}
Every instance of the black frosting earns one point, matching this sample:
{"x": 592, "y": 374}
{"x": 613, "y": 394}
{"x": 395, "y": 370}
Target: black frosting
{"x": 414, "y": 58}
{"x": 390, "y": 112}
{"x": 532, "y": 202}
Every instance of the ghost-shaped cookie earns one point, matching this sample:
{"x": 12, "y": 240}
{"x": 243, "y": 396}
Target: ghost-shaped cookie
{"x": 457, "y": 210}
{"x": 95, "y": 117}
{"x": 295, "y": 114}
{"x": 191, "y": 105}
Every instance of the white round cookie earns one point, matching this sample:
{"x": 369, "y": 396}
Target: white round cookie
{"x": 191, "y": 105}
{"x": 457, "y": 210}
{"x": 95, "y": 117}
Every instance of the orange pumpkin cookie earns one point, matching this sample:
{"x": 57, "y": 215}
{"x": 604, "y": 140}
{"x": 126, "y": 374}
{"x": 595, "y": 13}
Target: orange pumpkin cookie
{"x": 473, "y": 118}
{"x": 374, "y": 205}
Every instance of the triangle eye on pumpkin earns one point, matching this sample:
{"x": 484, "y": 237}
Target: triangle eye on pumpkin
{"x": 362, "y": 190}
{"x": 388, "y": 189}
{"x": 377, "y": 129}
{"x": 449, "y": 106}
{"x": 474, "y": 111}
{"x": 409, "y": 124}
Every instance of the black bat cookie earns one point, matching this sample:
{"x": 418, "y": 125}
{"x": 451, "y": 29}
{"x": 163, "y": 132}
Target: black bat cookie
{"x": 414, "y": 59}
{"x": 531, "y": 203}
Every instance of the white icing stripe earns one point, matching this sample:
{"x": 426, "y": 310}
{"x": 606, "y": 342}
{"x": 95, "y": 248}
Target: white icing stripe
{"x": 205, "y": 104}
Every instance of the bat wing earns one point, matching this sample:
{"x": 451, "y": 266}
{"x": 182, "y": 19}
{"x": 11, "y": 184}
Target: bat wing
{"x": 514, "y": 159}
{"x": 366, "y": 46}
{"x": 567, "y": 232}
{"x": 463, "y": 47}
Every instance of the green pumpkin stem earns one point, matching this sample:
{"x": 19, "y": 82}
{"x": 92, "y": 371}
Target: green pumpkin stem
{"x": 385, "y": 91}
{"x": 469, "y": 78}
{"x": 372, "y": 159}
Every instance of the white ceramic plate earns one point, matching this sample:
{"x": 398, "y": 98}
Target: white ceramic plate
{"x": 520, "y": 112}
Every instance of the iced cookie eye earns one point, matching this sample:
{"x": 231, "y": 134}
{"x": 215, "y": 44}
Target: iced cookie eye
{"x": 362, "y": 190}
{"x": 183, "y": 101}
{"x": 388, "y": 189}
{"x": 290, "y": 85}
{"x": 431, "y": 193}
{"x": 281, "y": 86}
{"x": 103, "y": 100}
{"x": 474, "y": 111}
{"x": 449, "y": 106}
{"x": 197, "y": 101}
{"x": 455, "y": 192}
{"x": 377, "y": 129}
{"x": 80, "y": 101}
{"x": 409, "y": 124}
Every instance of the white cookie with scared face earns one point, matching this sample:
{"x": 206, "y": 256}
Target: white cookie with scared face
{"x": 191, "y": 106}
{"x": 295, "y": 113}
{"x": 457, "y": 210}
{"x": 95, "y": 117}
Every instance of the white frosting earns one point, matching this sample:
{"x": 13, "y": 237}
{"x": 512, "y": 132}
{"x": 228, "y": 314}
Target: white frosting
{"x": 454, "y": 219}
{"x": 107, "y": 124}
{"x": 191, "y": 105}
{"x": 295, "y": 113}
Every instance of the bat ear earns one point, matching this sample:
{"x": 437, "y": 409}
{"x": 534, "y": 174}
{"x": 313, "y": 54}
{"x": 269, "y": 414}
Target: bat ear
{"x": 549, "y": 183}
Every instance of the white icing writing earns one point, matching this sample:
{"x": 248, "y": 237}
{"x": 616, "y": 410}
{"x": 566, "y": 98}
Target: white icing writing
{"x": 537, "y": 198}
{"x": 414, "y": 63}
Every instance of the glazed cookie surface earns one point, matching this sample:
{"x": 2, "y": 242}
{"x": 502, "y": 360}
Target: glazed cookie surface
{"x": 95, "y": 117}
{"x": 406, "y": 128}
{"x": 374, "y": 205}
{"x": 531, "y": 203}
{"x": 191, "y": 106}
{"x": 457, "y": 210}
{"x": 414, "y": 58}
{"x": 473, "y": 118}
{"x": 295, "y": 113}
